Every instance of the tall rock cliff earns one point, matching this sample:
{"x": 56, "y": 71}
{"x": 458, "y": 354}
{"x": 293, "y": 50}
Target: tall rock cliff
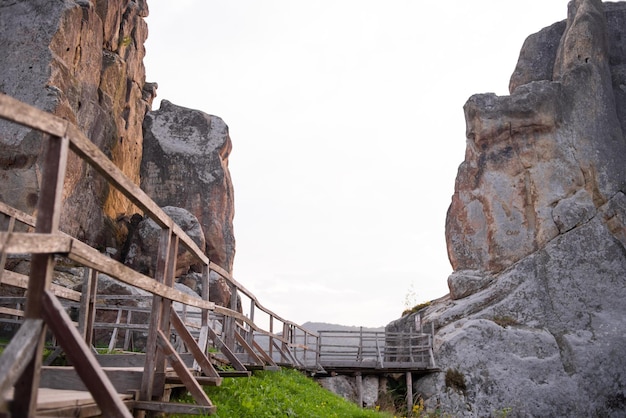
{"x": 83, "y": 61}
{"x": 536, "y": 234}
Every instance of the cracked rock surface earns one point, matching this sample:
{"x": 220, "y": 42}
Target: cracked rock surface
{"x": 536, "y": 234}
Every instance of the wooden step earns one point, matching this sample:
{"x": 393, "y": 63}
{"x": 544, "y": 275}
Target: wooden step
{"x": 202, "y": 380}
{"x": 68, "y": 403}
{"x": 235, "y": 373}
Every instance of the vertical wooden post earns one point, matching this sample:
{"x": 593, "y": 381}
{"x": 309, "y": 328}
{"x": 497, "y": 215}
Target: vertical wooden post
{"x": 251, "y": 333}
{"x": 168, "y": 280}
{"x": 231, "y": 327}
{"x": 129, "y": 332}
{"x": 150, "y": 365}
{"x": 409, "y": 394}
{"x": 87, "y": 314}
{"x": 306, "y": 347}
{"x": 203, "y": 338}
{"x": 359, "y": 357}
{"x": 48, "y": 215}
{"x": 359, "y": 389}
{"x": 271, "y": 339}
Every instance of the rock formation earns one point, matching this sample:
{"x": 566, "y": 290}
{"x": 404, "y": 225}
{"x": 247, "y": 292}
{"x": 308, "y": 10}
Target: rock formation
{"x": 185, "y": 163}
{"x": 83, "y": 61}
{"x": 536, "y": 234}
{"x": 144, "y": 243}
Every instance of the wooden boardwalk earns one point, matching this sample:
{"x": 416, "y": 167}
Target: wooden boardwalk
{"x": 186, "y": 341}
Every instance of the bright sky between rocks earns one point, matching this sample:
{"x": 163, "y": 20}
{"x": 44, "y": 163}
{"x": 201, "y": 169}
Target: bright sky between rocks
{"x": 347, "y": 124}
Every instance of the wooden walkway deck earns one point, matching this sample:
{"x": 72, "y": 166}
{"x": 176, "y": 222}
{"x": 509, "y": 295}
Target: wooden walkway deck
{"x": 186, "y": 340}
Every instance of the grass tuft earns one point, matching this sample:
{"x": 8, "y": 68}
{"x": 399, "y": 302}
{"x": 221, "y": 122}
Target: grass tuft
{"x": 286, "y": 393}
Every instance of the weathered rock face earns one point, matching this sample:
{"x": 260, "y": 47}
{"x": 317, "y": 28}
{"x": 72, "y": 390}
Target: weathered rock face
{"x": 144, "y": 243}
{"x": 83, "y": 61}
{"x": 346, "y": 387}
{"x": 536, "y": 234}
{"x": 539, "y": 162}
{"x": 185, "y": 163}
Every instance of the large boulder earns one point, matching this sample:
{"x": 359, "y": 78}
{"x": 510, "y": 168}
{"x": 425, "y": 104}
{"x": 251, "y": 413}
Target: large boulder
{"x": 82, "y": 61}
{"x": 144, "y": 243}
{"x": 185, "y": 164}
{"x": 536, "y": 235}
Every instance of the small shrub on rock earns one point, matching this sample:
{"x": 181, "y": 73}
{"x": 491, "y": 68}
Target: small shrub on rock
{"x": 455, "y": 380}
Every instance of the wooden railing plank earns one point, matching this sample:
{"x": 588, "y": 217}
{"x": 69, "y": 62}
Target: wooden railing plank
{"x": 19, "y": 352}
{"x": 181, "y": 370}
{"x": 24, "y": 114}
{"x": 17, "y": 214}
{"x": 34, "y": 243}
{"x": 192, "y": 345}
{"x": 84, "y": 254}
{"x": 82, "y": 358}
{"x": 234, "y": 361}
{"x": 12, "y": 278}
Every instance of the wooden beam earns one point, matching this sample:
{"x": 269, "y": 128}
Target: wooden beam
{"x": 234, "y": 361}
{"x": 359, "y": 389}
{"x": 175, "y": 408}
{"x": 155, "y": 362}
{"x": 84, "y": 254}
{"x": 202, "y": 380}
{"x": 267, "y": 357}
{"x": 12, "y": 312}
{"x": 19, "y": 352}
{"x": 42, "y": 265}
{"x": 34, "y": 243}
{"x": 87, "y": 313}
{"x": 17, "y": 214}
{"x": 182, "y": 371}
{"x": 192, "y": 346}
{"x": 14, "y": 110}
{"x": 248, "y": 348}
{"x": 409, "y": 393}
{"x": 12, "y": 278}
{"x": 82, "y": 358}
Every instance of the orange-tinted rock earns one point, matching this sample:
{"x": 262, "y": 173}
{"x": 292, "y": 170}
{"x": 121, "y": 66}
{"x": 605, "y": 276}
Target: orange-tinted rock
{"x": 83, "y": 61}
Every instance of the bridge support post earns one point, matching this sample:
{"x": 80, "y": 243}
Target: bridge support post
{"x": 409, "y": 394}
{"x": 359, "y": 389}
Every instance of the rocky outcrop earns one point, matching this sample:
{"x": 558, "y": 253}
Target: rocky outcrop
{"x": 145, "y": 239}
{"x": 540, "y": 161}
{"x": 185, "y": 163}
{"x": 83, "y": 61}
{"x": 536, "y": 235}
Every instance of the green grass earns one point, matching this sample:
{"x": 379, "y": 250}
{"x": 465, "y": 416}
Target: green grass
{"x": 286, "y": 393}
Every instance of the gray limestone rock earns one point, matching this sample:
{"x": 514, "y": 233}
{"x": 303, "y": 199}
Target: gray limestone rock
{"x": 144, "y": 243}
{"x": 185, "y": 164}
{"x": 536, "y": 235}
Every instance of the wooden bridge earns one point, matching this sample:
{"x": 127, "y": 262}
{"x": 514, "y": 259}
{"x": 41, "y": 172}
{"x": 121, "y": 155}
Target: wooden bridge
{"x": 185, "y": 340}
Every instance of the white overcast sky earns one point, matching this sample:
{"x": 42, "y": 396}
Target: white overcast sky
{"x": 347, "y": 124}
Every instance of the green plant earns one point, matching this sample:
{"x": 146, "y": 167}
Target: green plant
{"x": 503, "y": 413}
{"x": 455, "y": 380}
{"x": 505, "y": 321}
{"x": 285, "y": 393}
{"x": 416, "y": 308}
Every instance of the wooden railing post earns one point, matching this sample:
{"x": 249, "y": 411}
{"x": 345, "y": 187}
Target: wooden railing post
{"x": 150, "y": 366}
{"x": 271, "y": 339}
{"x": 87, "y": 313}
{"x": 48, "y": 216}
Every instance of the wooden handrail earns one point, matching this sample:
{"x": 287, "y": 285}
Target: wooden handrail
{"x": 48, "y": 240}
